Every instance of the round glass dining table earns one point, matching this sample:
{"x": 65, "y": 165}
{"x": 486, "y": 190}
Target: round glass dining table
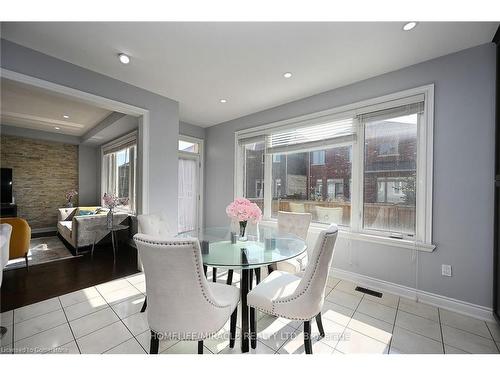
{"x": 221, "y": 247}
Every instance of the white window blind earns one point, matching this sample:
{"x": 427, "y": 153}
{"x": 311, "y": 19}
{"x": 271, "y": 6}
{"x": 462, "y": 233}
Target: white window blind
{"x": 312, "y": 136}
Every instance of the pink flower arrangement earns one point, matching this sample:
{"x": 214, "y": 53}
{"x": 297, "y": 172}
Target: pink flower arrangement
{"x": 244, "y": 210}
{"x": 70, "y": 195}
{"x": 111, "y": 201}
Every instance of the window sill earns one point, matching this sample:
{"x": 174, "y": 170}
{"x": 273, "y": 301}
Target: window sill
{"x": 345, "y": 233}
{"x": 394, "y": 242}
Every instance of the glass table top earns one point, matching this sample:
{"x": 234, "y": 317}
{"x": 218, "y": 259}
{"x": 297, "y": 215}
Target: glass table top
{"x": 103, "y": 227}
{"x": 221, "y": 247}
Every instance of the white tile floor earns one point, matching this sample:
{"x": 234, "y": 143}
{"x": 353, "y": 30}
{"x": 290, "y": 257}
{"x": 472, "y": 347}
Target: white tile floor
{"x": 106, "y": 319}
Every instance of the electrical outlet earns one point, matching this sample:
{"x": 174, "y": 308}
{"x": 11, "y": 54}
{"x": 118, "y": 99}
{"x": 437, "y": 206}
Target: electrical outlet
{"x": 446, "y": 270}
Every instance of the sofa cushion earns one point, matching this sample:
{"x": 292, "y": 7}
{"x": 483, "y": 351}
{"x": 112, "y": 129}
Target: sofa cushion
{"x": 84, "y": 212}
{"x": 64, "y": 228}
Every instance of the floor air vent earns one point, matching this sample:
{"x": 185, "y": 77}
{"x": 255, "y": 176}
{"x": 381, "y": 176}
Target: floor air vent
{"x": 369, "y": 291}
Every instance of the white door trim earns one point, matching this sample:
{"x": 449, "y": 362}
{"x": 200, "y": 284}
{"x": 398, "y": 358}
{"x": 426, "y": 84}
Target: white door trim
{"x": 201, "y": 174}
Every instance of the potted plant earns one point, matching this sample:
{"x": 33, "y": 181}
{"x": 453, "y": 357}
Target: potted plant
{"x": 242, "y": 211}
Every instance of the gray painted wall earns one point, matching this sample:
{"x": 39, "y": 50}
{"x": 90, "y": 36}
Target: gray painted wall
{"x": 164, "y": 114}
{"x": 192, "y": 130}
{"x": 88, "y": 175}
{"x": 463, "y": 174}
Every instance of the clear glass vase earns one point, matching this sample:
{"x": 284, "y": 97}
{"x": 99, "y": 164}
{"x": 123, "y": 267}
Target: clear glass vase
{"x": 243, "y": 227}
{"x": 109, "y": 219}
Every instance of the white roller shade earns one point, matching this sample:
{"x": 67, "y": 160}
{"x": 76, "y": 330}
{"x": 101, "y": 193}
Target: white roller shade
{"x": 397, "y": 111}
{"x": 313, "y": 136}
{"x": 121, "y": 143}
{"x": 251, "y": 140}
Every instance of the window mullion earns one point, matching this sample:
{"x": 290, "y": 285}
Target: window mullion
{"x": 268, "y": 189}
{"x": 421, "y": 198}
{"x": 357, "y": 179}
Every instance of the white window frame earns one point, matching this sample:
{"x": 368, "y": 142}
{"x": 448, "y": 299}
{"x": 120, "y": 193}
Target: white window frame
{"x": 334, "y": 181}
{"x": 200, "y": 157}
{"x": 124, "y": 139}
{"x": 386, "y": 181}
{"x": 423, "y": 237}
{"x": 323, "y": 152}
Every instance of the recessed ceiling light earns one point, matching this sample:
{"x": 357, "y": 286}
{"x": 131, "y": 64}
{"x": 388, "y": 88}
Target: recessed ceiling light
{"x": 409, "y": 26}
{"x": 223, "y": 100}
{"x": 65, "y": 116}
{"x": 57, "y": 128}
{"x": 287, "y": 75}
{"x": 124, "y": 59}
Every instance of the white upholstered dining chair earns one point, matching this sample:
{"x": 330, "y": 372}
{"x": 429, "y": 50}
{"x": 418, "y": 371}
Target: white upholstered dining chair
{"x": 155, "y": 225}
{"x": 293, "y": 297}
{"x": 5, "y": 233}
{"x": 182, "y": 304}
{"x": 298, "y": 224}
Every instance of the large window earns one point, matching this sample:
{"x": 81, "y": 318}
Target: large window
{"x": 302, "y": 185}
{"x": 368, "y": 168}
{"x": 390, "y": 170}
{"x": 253, "y": 168}
{"x": 119, "y": 171}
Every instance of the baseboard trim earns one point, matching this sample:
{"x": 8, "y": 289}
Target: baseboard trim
{"x": 462, "y": 307}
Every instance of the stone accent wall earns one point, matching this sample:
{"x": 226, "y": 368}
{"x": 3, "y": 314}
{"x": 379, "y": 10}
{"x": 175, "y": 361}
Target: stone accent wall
{"x": 42, "y": 173}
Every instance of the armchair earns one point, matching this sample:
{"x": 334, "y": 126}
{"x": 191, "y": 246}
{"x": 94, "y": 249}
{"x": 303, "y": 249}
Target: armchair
{"x": 19, "y": 239}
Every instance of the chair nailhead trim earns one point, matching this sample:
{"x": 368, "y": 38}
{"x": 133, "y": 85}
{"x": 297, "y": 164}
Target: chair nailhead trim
{"x": 196, "y": 260}
{"x": 197, "y": 264}
{"x": 289, "y": 299}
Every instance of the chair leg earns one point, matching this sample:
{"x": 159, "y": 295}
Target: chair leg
{"x": 3, "y": 331}
{"x": 253, "y": 328}
{"x": 26, "y": 260}
{"x": 320, "y": 325}
{"x": 250, "y": 279}
{"x": 155, "y": 343}
{"x": 229, "y": 280}
{"x": 144, "y": 305}
{"x": 205, "y": 270}
{"x": 214, "y": 274}
{"x": 257, "y": 276}
{"x": 269, "y": 269}
{"x": 200, "y": 347}
{"x": 307, "y": 337}
{"x": 232, "y": 328}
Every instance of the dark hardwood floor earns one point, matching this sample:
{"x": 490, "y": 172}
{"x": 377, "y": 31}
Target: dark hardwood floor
{"x": 21, "y": 287}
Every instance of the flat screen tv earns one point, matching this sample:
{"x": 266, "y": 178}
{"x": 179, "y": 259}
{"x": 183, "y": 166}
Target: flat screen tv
{"x": 6, "y": 178}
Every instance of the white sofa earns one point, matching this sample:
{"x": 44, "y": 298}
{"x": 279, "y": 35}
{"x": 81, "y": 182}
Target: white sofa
{"x": 74, "y": 227}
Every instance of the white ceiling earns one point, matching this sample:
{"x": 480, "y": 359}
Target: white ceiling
{"x": 35, "y": 108}
{"x": 199, "y": 63}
